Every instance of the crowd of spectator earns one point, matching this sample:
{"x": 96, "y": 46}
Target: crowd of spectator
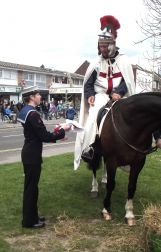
{"x": 10, "y": 110}
{"x": 48, "y": 111}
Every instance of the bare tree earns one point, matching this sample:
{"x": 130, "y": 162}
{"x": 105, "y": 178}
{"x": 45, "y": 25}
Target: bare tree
{"x": 151, "y": 24}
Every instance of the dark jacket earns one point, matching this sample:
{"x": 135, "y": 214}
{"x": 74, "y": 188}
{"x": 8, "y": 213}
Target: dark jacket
{"x": 35, "y": 134}
{"x": 70, "y": 113}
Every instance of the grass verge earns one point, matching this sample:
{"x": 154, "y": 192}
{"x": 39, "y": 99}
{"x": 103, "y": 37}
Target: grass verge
{"x": 74, "y": 221}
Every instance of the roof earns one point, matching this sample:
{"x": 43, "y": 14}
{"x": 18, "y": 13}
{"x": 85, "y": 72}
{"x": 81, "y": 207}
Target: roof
{"x": 21, "y": 67}
{"x": 42, "y": 69}
{"x": 83, "y": 68}
{"x": 67, "y": 74}
{"x": 145, "y": 70}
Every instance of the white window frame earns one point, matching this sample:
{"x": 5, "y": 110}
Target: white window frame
{"x": 28, "y": 75}
{"x": 12, "y": 75}
{"x": 41, "y": 78}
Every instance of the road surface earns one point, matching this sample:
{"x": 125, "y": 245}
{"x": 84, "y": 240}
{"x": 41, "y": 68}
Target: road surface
{"x": 11, "y": 142}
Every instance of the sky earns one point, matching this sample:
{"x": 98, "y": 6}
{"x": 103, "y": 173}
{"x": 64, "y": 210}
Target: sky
{"x": 62, "y": 34}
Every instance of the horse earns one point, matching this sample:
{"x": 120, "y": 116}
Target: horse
{"x": 126, "y": 139}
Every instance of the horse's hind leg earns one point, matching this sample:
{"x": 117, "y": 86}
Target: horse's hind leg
{"x": 94, "y": 166}
{"x": 134, "y": 172}
{"x": 94, "y": 190}
{"x": 104, "y": 176}
{"x": 111, "y": 172}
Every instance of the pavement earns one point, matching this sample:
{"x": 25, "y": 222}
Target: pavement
{"x": 5, "y": 125}
{"x": 11, "y": 141}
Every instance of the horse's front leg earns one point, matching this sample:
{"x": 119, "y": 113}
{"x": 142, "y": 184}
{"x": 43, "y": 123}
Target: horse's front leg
{"x": 129, "y": 216}
{"x": 111, "y": 172}
{"x": 94, "y": 190}
{"x": 134, "y": 172}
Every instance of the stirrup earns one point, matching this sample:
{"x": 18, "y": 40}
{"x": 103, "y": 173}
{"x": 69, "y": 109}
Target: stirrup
{"x": 88, "y": 154}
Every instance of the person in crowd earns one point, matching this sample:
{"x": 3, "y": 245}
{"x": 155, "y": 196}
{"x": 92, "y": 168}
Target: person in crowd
{"x": 45, "y": 109}
{"x": 60, "y": 106}
{"x": 15, "y": 113}
{"x": 60, "y": 109}
{"x": 70, "y": 112}
{"x": 19, "y": 105}
{"x": 8, "y": 111}
{"x": 12, "y": 104}
{"x": 52, "y": 110}
{"x": 1, "y": 110}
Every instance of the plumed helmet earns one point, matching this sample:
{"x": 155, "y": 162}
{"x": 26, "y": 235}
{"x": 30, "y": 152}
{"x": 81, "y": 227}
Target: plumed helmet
{"x": 109, "y": 27}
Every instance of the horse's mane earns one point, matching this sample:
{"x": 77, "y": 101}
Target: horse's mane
{"x": 148, "y": 93}
{"x": 139, "y": 97}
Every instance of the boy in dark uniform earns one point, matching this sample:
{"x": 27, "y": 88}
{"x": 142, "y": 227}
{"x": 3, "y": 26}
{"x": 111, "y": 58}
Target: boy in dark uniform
{"x": 35, "y": 134}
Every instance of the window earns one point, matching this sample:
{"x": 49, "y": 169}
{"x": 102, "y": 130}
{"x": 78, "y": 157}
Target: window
{"x": 40, "y": 78}
{"x": 9, "y": 74}
{"x": 76, "y": 81}
{"x": 60, "y": 80}
{"x": 154, "y": 84}
{"x": 56, "y": 79}
{"x": 29, "y": 77}
{"x": 0, "y": 73}
{"x": 64, "y": 80}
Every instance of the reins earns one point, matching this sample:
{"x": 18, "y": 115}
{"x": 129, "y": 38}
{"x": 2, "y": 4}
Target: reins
{"x": 150, "y": 150}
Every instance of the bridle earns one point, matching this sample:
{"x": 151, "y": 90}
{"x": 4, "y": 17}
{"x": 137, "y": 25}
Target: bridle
{"x": 148, "y": 151}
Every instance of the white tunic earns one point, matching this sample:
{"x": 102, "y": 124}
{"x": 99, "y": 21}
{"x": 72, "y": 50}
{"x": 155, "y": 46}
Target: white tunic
{"x": 88, "y": 115}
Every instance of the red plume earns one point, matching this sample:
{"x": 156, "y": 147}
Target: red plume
{"x": 109, "y": 21}
{"x": 112, "y": 22}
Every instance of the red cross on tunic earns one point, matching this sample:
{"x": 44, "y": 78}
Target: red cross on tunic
{"x": 110, "y": 79}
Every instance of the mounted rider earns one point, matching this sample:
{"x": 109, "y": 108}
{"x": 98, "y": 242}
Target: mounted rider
{"x": 109, "y": 77}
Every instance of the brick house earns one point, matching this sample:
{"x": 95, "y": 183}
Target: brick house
{"x": 16, "y": 78}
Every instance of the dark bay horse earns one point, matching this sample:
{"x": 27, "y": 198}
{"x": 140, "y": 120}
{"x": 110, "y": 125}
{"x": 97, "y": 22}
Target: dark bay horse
{"x": 126, "y": 139}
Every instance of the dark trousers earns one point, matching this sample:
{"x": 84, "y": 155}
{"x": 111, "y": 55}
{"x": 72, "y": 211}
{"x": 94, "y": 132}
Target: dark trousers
{"x": 46, "y": 115}
{"x": 30, "y": 195}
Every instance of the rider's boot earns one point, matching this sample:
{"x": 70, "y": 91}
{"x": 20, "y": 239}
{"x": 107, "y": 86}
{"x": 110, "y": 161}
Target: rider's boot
{"x": 89, "y": 152}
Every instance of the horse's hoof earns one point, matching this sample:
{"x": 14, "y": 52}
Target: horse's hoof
{"x": 94, "y": 194}
{"x": 130, "y": 222}
{"x": 103, "y": 184}
{"x": 107, "y": 216}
